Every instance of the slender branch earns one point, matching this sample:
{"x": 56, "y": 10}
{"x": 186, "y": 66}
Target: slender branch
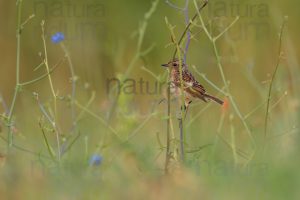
{"x": 68, "y": 147}
{"x": 182, "y": 140}
{"x": 168, "y": 127}
{"x": 48, "y": 68}
{"x": 210, "y": 82}
{"x": 187, "y": 45}
{"x": 176, "y": 7}
{"x": 42, "y": 76}
{"x": 27, "y": 20}
{"x": 53, "y": 124}
{"x": 54, "y": 121}
{"x": 227, "y": 28}
{"x": 273, "y": 78}
{"x": 185, "y": 10}
{"x": 188, "y": 26}
{"x": 180, "y": 119}
{"x": 219, "y": 64}
{"x": 50, "y": 151}
{"x": 25, "y": 150}
{"x": 17, "y": 88}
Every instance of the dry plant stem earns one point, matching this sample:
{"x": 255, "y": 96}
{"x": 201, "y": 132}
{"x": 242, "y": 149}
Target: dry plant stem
{"x": 180, "y": 119}
{"x": 293, "y": 130}
{"x": 47, "y": 143}
{"x": 235, "y": 107}
{"x": 182, "y": 140}
{"x": 53, "y": 124}
{"x": 26, "y": 150}
{"x": 168, "y": 128}
{"x": 210, "y": 82}
{"x": 19, "y": 85}
{"x": 17, "y": 88}
{"x": 48, "y": 69}
{"x": 68, "y": 147}
{"x": 173, "y": 138}
{"x": 177, "y": 49}
{"x": 185, "y": 10}
{"x": 188, "y": 26}
{"x": 52, "y": 90}
{"x": 272, "y": 81}
{"x": 278, "y": 101}
{"x": 44, "y": 75}
{"x": 177, "y": 52}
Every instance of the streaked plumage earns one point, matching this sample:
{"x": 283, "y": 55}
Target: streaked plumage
{"x": 192, "y": 88}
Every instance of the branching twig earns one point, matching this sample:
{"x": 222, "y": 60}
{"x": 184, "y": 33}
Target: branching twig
{"x": 183, "y": 99}
{"x": 185, "y": 10}
{"x": 188, "y": 26}
{"x": 216, "y": 52}
{"x": 177, "y": 51}
{"x": 48, "y": 69}
{"x": 44, "y": 75}
{"x": 50, "y": 150}
{"x": 53, "y": 124}
{"x": 17, "y": 88}
{"x": 26, "y": 150}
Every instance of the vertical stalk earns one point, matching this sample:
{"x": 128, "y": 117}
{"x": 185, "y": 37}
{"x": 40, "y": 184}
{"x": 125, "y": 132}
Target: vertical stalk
{"x": 180, "y": 119}
{"x": 182, "y": 140}
{"x": 54, "y": 123}
{"x": 272, "y": 81}
{"x": 17, "y": 87}
{"x": 168, "y": 127}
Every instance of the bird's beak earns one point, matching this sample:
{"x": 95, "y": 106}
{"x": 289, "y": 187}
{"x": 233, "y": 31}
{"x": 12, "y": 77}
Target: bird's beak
{"x": 164, "y": 65}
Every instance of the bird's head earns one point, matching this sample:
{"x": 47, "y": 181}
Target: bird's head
{"x": 175, "y": 63}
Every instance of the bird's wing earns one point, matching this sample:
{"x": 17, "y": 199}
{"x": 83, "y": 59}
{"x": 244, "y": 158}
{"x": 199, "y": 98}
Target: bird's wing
{"x": 190, "y": 84}
{"x": 198, "y": 87}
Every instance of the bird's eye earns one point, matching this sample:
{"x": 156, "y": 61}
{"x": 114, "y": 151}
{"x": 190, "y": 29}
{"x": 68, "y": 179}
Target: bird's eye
{"x": 174, "y": 64}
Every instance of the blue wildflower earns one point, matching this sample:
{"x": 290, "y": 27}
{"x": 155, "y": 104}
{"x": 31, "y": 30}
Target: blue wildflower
{"x": 96, "y": 160}
{"x": 57, "y": 37}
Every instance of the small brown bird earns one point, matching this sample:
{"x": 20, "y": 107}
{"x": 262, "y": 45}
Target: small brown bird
{"x": 191, "y": 87}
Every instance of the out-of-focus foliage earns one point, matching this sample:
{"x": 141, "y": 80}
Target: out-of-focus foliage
{"x": 117, "y": 148}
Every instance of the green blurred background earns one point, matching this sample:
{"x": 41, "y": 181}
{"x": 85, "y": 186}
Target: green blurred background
{"x": 102, "y": 40}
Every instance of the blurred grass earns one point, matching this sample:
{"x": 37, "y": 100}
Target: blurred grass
{"x": 134, "y": 169}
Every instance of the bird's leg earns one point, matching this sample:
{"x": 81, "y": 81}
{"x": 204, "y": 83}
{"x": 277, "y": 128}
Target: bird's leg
{"x": 186, "y": 107}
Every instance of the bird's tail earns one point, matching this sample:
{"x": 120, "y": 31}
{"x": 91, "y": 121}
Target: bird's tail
{"x": 215, "y": 99}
